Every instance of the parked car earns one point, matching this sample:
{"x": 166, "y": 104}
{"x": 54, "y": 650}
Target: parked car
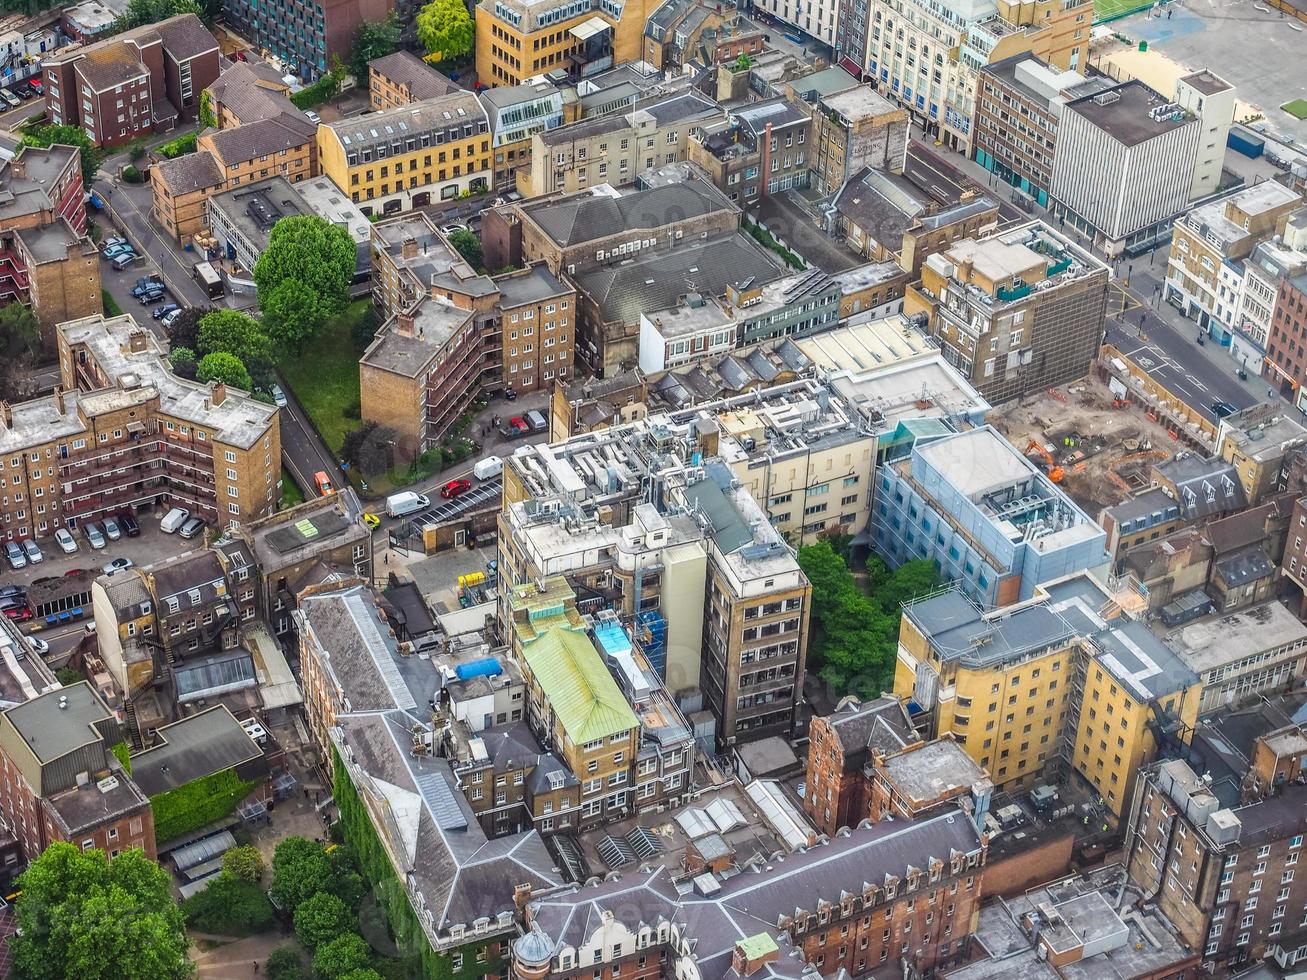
{"x": 151, "y": 295}
{"x": 66, "y": 542}
{"x": 9, "y": 97}
{"x": 174, "y": 519}
{"x": 119, "y": 240}
{"x": 94, "y": 535}
{"x": 510, "y": 394}
{"x": 13, "y": 601}
{"x": 12, "y": 591}
{"x": 128, "y": 523}
{"x": 19, "y": 614}
{"x": 488, "y": 468}
{"x": 159, "y": 312}
{"x": 520, "y": 424}
{"x": 16, "y": 555}
{"x": 192, "y": 527}
{"x": 170, "y": 317}
{"x": 406, "y": 502}
{"x": 312, "y": 116}
{"x": 146, "y": 283}
{"x": 121, "y": 262}
{"x": 455, "y": 488}
{"x": 278, "y": 396}
{"x": 536, "y": 421}
{"x": 456, "y": 226}
{"x": 33, "y": 551}
{"x": 117, "y": 565}
{"x": 322, "y": 482}
{"x": 111, "y": 529}
{"x": 113, "y": 251}
{"x": 24, "y": 92}
{"x": 38, "y": 645}
{"x": 37, "y": 86}
{"x": 1222, "y": 409}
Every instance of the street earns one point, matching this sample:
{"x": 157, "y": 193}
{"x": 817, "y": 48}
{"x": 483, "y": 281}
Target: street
{"x": 302, "y": 449}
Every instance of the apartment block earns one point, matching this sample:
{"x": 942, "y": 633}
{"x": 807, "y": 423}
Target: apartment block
{"x": 409, "y": 156}
{"x": 615, "y": 148}
{"x": 401, "y": 79}
{"x": 1066, "y": 684}
{"x": 62, "y": 781}
{"x": 517, "y": 113}
{"x": 302, "y": 39}
{"x": 680, "y": 31}
{"x": 1016, "y": 311}
{"x": 1271, "y": 262}
{"x": 146, "y": 80}
{"x": 989, "y": 519}
{"x": 1227, "y": 877}
{"x": 1286, "y": 356}
{"x": 592, "y": 404}
{"x": 1019, "y": 103}
{"x": 762, "y": 148}
{"x": 1259, "y": 443}
{"x": 854, "y": 129}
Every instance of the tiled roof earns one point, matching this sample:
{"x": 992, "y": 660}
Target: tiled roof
{"x": 190, "y": 173}
{"x": 584, "y": 218}
{"x": 262, "y": 138}
{"x": 405, "y": 68}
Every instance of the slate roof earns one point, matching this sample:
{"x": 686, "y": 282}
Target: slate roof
{"x": 405, "y": 68}
{"x": 584, "y": 218}
{"x": 196, "y": 746}
{"x": 882, "y": 724}
{"x": 192, "y": 570}
{"x": 263, "y": 137}
{"x": 656, "y": 282}
{"x": 244, "y": 91}
{"x": 1204, "y": 486}
{"x": 190, "y": 173}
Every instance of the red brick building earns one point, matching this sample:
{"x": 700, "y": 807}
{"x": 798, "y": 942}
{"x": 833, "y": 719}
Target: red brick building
{"x": 1286, "y": 345}
{"x": 61, "y": 780}
{"x": 145, "y": 80}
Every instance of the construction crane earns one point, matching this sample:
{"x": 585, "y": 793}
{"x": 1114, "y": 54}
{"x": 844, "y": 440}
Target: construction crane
{"x": 1055, "y": 472}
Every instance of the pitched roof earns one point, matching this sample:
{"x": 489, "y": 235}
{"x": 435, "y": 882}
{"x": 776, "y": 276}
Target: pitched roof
{"x": 190, "y": 173}
{"x": 263, "y": 137}
{"x": 576, "y": 683}
{"x": 406, "y": 68}
{"x": 586, "y": 217}
{"x": 247, "y": 95}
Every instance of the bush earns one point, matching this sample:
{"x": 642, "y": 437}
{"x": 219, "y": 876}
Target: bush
{"x": 322, "y": 90}
{"x": 229, "y": 907}
{"x": 354, "y": 410}
{"x": 199, "y": 802}
{"x": 320, "y": 919}
{"x": 132, "y": 176}
{"x": 244, "y": 863}
{"x": 284, "y": 963}
{"x": 181, "y": 146}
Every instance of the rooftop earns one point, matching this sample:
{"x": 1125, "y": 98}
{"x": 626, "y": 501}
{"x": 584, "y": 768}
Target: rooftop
{"x": 587, "y": 216}
{"x": 53, "y": 242}
{"x": 1126, "y": 113}
{"x": 261, "y": 138}
{"x": 190, "y": 173}
{"x": 859, "y": 103}
{"x": 531, "y": 285}
{"x": 192, "y": 748}
{"x": 62, "y": 720}
{"x": 406, "y": 68}
{"x": 452, "y": 116}
{"x": 1216, "y": 641}
{"x": 315, "y": 526}
{"x": 932, "y": 771}
{"x": 683, "y": 107}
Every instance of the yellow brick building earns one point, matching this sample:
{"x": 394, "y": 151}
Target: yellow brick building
{"x": 410, "y": 156}
{"x": 1064, "y": 680}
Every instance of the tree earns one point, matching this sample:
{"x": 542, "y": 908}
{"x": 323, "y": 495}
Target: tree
{"x": 370, "y": 448}
{"x": 241, "y": 336}
{"x": 743, "y": 62}
{"x": 316, "y": 253}
{"x": 184, "y": 331}
{"x": 335, "y": 959}
{"x": 244, "y": 863}
{"x": 207, "y": 119}
{"x": 371, "y": 41}
{"x": 183, "y": 362}
{"x": 853, "y": 640}
{"x": 81, "y": 915}
{"x": 908, "y": 581}
{"x": 140, "y": 12}
{"x": 445, "y": 29}
{"x": 224, "y": 367}
{"x": 20, "y": 333}
{"x": 364, "y": 330}
{"x": 292, "y": 315}
{"x": 300, "y": 869}
{"x": 319, "y": 919}
{"x": 284, "y": 963}
{"x": 229, "y": 906}
{"x": 468, "y": 246}
{"x": 91, "y": 154}
{"x": 366, "y": 973}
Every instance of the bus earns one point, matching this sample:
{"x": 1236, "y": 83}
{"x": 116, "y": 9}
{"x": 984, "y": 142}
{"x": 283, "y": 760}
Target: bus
{"x": 207, "y": 276}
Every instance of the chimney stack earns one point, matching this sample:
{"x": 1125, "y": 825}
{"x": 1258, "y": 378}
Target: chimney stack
{"x": 18, "y": 167}
{"x": 217, "y": 393}
{"x": 138, "y": 341}
{"x": 404, "y": 324}
{"x": 6, "y": 415}
{"x": 409, "y": 249}
{"x": 59, "y": 400}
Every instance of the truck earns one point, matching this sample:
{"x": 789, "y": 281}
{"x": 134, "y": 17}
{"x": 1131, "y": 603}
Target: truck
{"x": 406, "y": 502}
{"x": 208, "y": 278}
{"x": 488, "y": 468}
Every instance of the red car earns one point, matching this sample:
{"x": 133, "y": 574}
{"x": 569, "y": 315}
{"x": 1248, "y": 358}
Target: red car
{"x": 455, "y": 488}
{"x": 18, "y": 614}
{"x": 519, "y": 424}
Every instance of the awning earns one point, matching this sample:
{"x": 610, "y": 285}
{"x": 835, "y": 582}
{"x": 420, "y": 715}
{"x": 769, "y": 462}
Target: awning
{"x": 588, "y": 29}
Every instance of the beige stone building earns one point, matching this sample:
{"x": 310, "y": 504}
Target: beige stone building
{"x": 854, "y": 129}
{"x": 403, "y": 78}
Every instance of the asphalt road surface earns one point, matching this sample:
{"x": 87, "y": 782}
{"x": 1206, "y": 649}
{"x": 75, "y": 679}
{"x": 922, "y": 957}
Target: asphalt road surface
{"x": 930, "y": 170}
{"x": 302, "y": 449}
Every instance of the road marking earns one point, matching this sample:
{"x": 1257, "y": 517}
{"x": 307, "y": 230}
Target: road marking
{"x": 1196, "y": 383}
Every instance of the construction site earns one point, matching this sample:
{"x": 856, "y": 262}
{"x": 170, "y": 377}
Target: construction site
{"x": 1096, "y": 447}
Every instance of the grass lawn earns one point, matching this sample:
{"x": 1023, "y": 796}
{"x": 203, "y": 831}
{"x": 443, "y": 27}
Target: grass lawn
{"x": 111, "y": 307}
{"x": 325, "y": 378}
{"x": 291, "y": 494}
{"x": 1105, "y": 10}
{"x": 1297, "y": 108}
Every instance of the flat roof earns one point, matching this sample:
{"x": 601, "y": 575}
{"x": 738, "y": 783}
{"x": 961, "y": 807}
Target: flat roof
{"x": 977, "y": 462}
{"x": 933, "y": 770}
{"x": 1125, "y": 118}
{"x": 1217, "y": 640}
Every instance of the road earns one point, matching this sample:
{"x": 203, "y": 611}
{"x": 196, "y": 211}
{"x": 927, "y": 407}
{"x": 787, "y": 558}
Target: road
{"x": 929, "y": 169}
{"x": 302, "y": 449}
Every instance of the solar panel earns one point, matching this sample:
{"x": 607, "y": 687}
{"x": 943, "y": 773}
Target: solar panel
{"x": 644, "y": 842}
{"x": 615, "y": 852}
{"x": 436, "y": 791}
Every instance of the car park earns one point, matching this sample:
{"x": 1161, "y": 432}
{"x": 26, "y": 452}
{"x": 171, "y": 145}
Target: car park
{"x": 117, "y": 565}
{"x": 94, "y": 535}
{"x": 455, "y": 488}
{"x": 128, "y": 523}
{"x": 67, "y": 543}
{"x": 159, "y": 312}
{"x": 192, "y": 527}
{"x": 174, "y": 519}
{"x": 33, "y": 550}
{"x": 17, "y": 557}
{"x": 111, "y": 529}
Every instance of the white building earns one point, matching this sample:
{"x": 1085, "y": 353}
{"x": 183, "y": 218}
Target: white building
{"x": 816, "y": 18}
{"x": 1283, "y": 256}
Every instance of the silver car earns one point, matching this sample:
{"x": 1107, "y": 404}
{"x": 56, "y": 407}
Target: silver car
{"x": 94, "y": 536}
{"x": 16, "y": 555}
{"x": 33, "y": 552}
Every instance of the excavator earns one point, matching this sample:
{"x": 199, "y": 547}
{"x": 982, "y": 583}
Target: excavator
{"x": 1055, "y": 472}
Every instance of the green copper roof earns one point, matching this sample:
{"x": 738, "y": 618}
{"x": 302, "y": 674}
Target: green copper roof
{"x": 756, "y": 947}
{"x": 576, "y": 683}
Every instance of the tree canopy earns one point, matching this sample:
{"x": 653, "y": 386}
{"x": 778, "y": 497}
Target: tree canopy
{"x": 224, "y": 367}
{"x": 91, "y": 155}
{"x": 292, "y": 315}
{"x": 81, "y": 915}
{"x": 373, "y": 39}
{"x": 300, "y": 870}
{"x": 140, "y": 12}
{"x": 445, "y": 29}
{"x": 243, "y": 863}
{"x": 319, "y": 919}
{"x": 467, "y": 245}
{"x": 234, "y": 333}
{"x": 317, "y": 255}
{"x": 346, "y": 953}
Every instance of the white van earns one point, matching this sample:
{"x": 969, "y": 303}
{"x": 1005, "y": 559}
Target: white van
{"x": 407, "y": 502}
{"x": 488, "y": 468}
{"x": 174, "y": 519}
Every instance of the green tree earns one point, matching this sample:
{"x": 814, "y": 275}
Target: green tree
{"x": 20, "y": 333}
{"x": 207, "y": 119}
{"x": 908, "y": 581}
{"x": 292, "y": 314}
{"x": 320, "y": 918}
{"x": 224, "y": 367}
{"x": 91, "y": 155}
{"x": 853, "y": 640}
{"x": 311, "y": 250}
{"x": 81, "y": 915}
{"x": 445, "y": 29}
{"x": 183, "y": 362}
{"x": 244, "y": 863}
{"x": 284, "y": 963}
{"x": 241, "y": 336}
{"x": 373, "y": 40}
{"x": 335, "y": 959}
{"x": 229, "y": 906}
{"x": 300, "y": 869}
{"x": 743, "y": 62}
{"x": 141, "y": 12}
{"x": 468, "y": 246}
{"x": 184, "y": 330}
{"x": 366, "y": 973}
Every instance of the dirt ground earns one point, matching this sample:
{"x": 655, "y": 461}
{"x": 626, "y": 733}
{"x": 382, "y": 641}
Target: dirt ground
{"x": 1111, "y": 449}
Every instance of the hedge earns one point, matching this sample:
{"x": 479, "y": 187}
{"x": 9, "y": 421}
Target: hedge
{"x": 320, "y": 91}
{"x": 199, "y": 802}
{"x": 389, "y": 892}
{"x": 179, "y": 147}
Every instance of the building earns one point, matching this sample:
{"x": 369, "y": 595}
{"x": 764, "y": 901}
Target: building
{"x": 241, "y": 218}
{"x": 592, "y": 404}
{"x": 449, "y": 332}
{"x": 1019, "y": 103}
{"x": 1286, "y": 365}
{"x": 1065, "y": 684}
{"x": 146, "y": 80}
{"x": 934, "y": 75}
{"x": 1129, "y": 160}
{"x": 1258, "y": 443}
{"x": 519, "y": 39}
{"x": 47, "y": 261}
{"x": 816, "y": 21}
{"x": 1016, "y": 311}
{"x": 128, "y": 433}
{"x": 989, "y": 519}
{"x": 681, "y": 32}
{"x": 796, "y": 305}
{"x": 854, "y": 129}
{"x": 615, "y": 148}
{"x": 248, "y": 91}
{"x": 401, "y": 79}
{"x": 1210, "y": 245}
{"x": 409, "y": 156}
{"x": 303, "y": 39}
{"x": 62, "y": 780}
{"x": 1225, "y": 877}
{"x": 1271, "y": 262}
{"x": 516, "y": 113}
{"x": 923, "y": 777}
{"x": 772, "y": 138}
